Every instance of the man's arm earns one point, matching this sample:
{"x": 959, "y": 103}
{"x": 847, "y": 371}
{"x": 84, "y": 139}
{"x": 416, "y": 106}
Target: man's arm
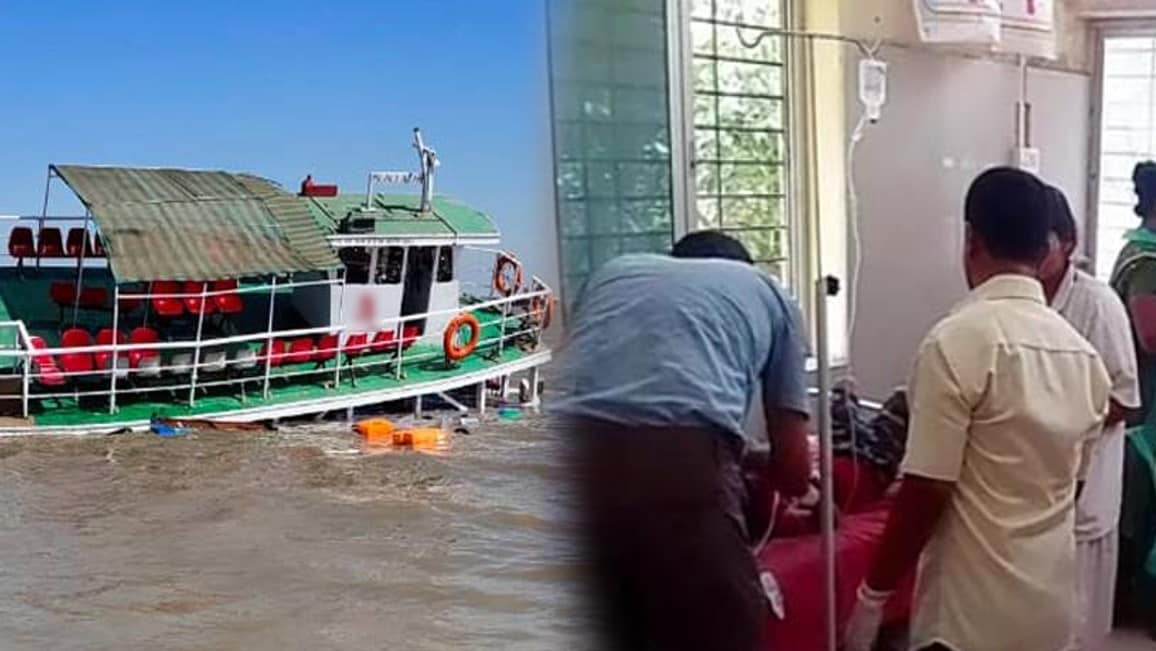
{"x": 917, "y": 510}
{"x": 1118, "y": 413}
{"x": 790, "y": 462}
{"x": 1142, "y": 308}
{"x": 786, "y": 406}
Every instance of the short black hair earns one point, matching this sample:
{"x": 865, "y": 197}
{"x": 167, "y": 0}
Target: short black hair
{"x": 1144, "y": 184}
{"x": 1007, "y": 209}
{"x": 1060, "y": 218}
{"x": 711, "y": 244}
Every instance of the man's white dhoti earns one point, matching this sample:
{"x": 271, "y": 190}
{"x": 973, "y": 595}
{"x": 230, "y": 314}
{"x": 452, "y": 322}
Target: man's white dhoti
{"x": 1096, "y": 562}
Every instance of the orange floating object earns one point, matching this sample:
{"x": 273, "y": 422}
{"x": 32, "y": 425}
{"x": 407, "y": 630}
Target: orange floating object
{"x": 375, "y": 430}
{"x": 424, "y": 437}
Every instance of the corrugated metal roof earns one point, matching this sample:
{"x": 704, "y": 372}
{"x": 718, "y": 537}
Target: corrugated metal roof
{"x": 399, "y": 215}
{"x": 175, "y": 224}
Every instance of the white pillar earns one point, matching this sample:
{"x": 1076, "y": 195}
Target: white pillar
{"x": 115, "y": 361}
{"x": 80, "y": 267}
{"x": 197, "y": 346}
{"x": 269, "y": 337}
{"x": 341, "y": 322}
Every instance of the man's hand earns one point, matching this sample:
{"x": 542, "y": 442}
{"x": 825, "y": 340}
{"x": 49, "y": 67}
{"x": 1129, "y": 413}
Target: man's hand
{"x": 863, "y": 627}
{"x": 790, "y": 463}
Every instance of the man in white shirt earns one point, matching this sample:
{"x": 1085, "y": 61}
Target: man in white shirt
{"x": 1005, "y": 396}
{"x": 1096, "y": 312}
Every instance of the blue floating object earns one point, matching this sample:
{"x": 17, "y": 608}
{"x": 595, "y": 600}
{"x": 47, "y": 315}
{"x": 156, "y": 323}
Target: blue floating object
{"x": 164, "y": 430}
{"x": 509, "y": 413}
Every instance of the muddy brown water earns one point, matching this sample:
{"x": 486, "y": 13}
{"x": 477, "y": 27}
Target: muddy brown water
{"x": 286, "y": 540}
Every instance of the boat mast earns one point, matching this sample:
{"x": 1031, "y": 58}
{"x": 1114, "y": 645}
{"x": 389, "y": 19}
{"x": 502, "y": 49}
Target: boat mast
{"x": 428, "y": 160}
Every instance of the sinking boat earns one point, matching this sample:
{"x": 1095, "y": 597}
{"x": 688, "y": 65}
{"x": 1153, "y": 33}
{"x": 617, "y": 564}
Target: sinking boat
{"x": 191, "y": 295}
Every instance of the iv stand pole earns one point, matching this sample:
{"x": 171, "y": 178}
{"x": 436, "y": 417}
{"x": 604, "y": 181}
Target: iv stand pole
{"x": 826, "y": 287}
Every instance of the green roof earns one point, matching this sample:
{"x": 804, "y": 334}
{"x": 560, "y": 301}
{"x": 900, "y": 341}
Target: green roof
{"x": 398, "y": 215}
{"x": 174, "y": 224}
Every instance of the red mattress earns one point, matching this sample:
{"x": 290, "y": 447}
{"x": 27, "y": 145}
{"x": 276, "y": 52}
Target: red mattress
{"x": 798, "y": 566}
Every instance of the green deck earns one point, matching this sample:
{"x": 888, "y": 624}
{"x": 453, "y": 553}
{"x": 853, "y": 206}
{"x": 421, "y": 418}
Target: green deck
{"x": 66, "y": 412}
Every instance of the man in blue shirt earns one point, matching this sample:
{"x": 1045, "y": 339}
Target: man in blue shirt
{"x": 663, "y": 364}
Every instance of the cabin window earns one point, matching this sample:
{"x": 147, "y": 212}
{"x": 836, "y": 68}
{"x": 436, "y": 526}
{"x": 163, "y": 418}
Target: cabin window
{"x": 356, "y": 260}
{"x": 390, "y": 261}
{"x": 445, "y": 264}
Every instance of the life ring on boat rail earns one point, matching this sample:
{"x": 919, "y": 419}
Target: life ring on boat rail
{"x": 503, "y": 285}
{"x": 456, "y": 349}
{"x": 542, "y": 309}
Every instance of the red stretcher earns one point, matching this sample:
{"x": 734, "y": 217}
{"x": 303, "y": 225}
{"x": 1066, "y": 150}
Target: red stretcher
{"x": 797, "y": 565}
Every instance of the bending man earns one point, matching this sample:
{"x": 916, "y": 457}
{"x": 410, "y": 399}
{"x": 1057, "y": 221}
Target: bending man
{"x": 1004, "y": 397}
{"x": 665, "y": 357}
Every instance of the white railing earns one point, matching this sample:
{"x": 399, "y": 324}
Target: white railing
{"x": 396, "y": 355}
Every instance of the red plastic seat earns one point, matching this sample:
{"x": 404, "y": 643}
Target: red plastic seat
{"x": 98, "y": 250}
{"x": 105, "y": 338}
{"x": 62, "y": 292}
{"x": 410, "y": 335}
{"x": 76, "y": 363}
{"x": 277, "y": 350}
{"x": 78, "y": 242}
{"x": 94, "y": 298}
{"x": 326, "y": 348}
{"x": 167, "y": 306}
{"x": 356, "y": 345}
{"x": 44, "y": 367}
{"x": 129, "y": 304}
{"x": 300, "y": 351}
{"x": 227, "y": 303}
{"x": 193, "y": 301}
{"x": 20, "y": 244}
{"x": 50, "y": 244}
{"x": 142, "y": 335}
{"x": 382, "y": 342}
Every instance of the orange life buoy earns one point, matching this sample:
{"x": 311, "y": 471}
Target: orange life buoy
{"x": 542, "y": 307}
{"x": 455, "y": 349}
{"x": 501, "y": 285}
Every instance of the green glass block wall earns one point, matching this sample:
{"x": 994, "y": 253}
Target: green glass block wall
{"x": 611, "y": 122}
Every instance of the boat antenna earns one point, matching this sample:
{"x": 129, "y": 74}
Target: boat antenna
{"x": 428, "y": 160}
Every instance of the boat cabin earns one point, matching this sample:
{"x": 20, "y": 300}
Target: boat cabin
{"x": 397, "y": 260}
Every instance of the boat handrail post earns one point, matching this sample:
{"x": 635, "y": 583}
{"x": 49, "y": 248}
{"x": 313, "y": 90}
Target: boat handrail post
{"x": 114, "y": 362}
{"x": 269, "y": 337}
{"x": 80, "y": 268}
{"x": 502, "y": 328}
{"x": 197, "y": 345}
{"x": 341, "y": 322}
{"x": 43, "y": 212}
{"x": 27, "y": 375}
{"x": 400, "y": 338}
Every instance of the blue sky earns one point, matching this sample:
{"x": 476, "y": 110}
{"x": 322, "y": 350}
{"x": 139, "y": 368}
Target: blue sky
{"x": 283, "y": 89}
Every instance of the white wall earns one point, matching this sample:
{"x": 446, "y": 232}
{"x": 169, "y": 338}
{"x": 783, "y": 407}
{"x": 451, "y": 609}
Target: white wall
{"x": 946, "y": 119}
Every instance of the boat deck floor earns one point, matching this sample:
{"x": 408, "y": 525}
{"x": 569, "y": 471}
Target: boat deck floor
{"x": 371, "y": 375}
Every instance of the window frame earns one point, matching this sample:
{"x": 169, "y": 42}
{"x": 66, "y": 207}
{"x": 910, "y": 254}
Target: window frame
{"x": 683, "y": 154}
{"x": 805, "y": 223}
{"x": 1102, "y": 30}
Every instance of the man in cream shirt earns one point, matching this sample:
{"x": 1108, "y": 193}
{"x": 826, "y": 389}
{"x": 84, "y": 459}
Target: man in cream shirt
{"x": 1096, "y": 312}
{"x": 1005, "y": 397}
